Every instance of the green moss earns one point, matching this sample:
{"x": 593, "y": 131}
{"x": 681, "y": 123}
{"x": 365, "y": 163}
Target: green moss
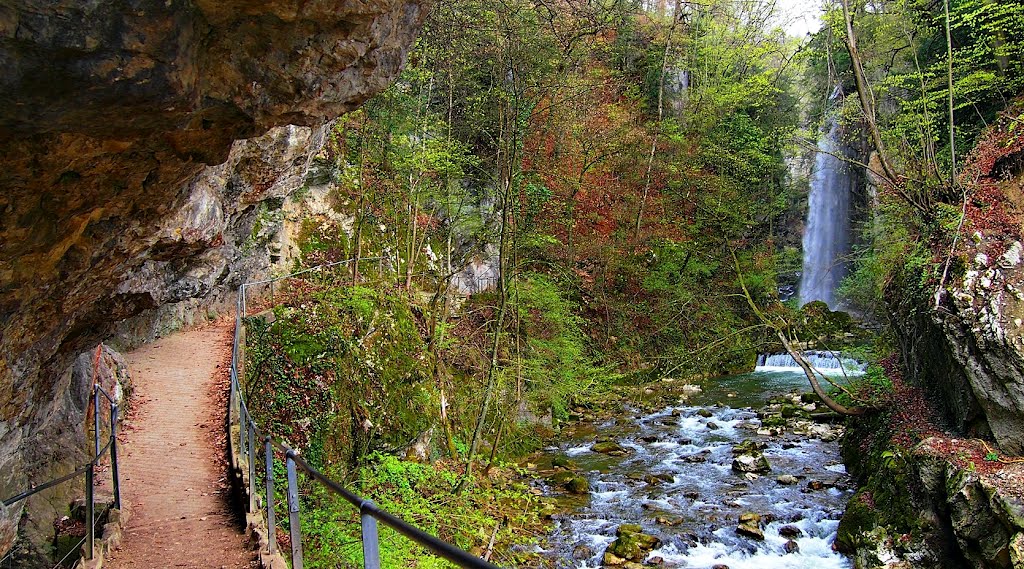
{"x": 860, "y": 517}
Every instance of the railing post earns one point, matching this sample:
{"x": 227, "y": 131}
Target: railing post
{"x": 243, "y": 433}
{"x": 252, "y": 466}
{"x": 114, "y": 413}
{"x": 371, "y": 545}
{"x": 293, "y": 511}
{"x": 271, "y": 530}
{"x": 90, "y": 512}
{"x": 96, "y": 419}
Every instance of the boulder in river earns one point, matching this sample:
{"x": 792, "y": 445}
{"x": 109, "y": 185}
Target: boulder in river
{"x": 755, "y": 463}
{"x": 611, "y": 448}
{"x": 631, "y": 544}
{"x": 790, "y": 531}
{"x": 747, "y": 446}
{"x": 791, "y": 547}
{"x": 574, "y": 482}
{"x": 750, "y": 526}
{"x": 787, "y": 480}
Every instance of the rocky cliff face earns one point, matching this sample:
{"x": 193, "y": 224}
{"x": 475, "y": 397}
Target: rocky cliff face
{"x": 983, "y": 330}
{"x": 969, "y": 350}
{"x": 124, "y": 191}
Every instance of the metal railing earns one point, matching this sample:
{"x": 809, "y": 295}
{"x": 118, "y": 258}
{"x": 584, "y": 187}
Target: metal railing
{"x": 248, "y": 435}
{"x": 88, "y": 469}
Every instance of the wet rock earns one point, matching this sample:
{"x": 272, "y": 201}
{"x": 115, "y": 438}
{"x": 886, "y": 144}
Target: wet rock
{"x": 572, "y": 482}
{"x": 670, "y": 521}
{"x": 649, "y": 439}
{"x": 664, "y": 476}
{"x": 657, "y": 560}
{"x": 810, "y": 398}
{"x": 719, "y": 566}
{"x": 790, "y": 531}
{"x": 749, "y": 526}
{"x": 699, "y": 457}
{"x": 611, "y": 560}
{"x": 611, "y": 448}
{"x": 713, "y": 426}
{"x": 757, "y": 464}
{"x": 791, "y": 547}
{"x": 631, "y": 544}
{"x": 685, "y": 442}
{"x": 816, "y": 485}
{"x": 582, "y": 551}
{"x": 578, "y": 485}
{"x": 705, "y": 413}
{"x": 691, "y": 495}
{"x": 787, "y": 480}
{"x": 747, "y": 446}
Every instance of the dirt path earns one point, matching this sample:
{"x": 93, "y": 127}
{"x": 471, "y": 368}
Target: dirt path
{"x": 173, "y": 459}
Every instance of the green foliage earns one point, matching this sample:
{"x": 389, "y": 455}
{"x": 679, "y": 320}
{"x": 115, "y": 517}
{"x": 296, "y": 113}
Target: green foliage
{"x": 421, "y": 494}
{"x": 556, "y": 366}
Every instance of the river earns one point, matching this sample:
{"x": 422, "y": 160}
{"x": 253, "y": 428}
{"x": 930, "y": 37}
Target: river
{"x": 689, "y": 445}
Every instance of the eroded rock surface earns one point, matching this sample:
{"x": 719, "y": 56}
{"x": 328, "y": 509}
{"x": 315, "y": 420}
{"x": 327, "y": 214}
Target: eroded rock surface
{"x": 124, "y": 191}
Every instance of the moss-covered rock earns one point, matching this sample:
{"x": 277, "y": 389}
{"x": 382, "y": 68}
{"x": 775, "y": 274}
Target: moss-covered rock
{"x": 610, "y": 448}
{"x": 631, "y": 544}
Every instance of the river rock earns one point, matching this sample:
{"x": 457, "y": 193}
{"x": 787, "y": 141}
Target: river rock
{"x": 631, "y": 544}
{"x": 787, "y": 480}
{"x": 747, "y": 446}
{"x": 705, "y": 413}
{"x": 701, "y": 456}
{"x": 582, "y": 551}
{"x": 573, "y": 482}
{"x": 790, "y": 531}
{"x": 749, "y": 526}
{"x": 670, "y": 521}
{"x": 757, "y": 464}
{"x": 713, "y": 426}
{"x": 791, "y": 547}
{"x": 611, "y": 448}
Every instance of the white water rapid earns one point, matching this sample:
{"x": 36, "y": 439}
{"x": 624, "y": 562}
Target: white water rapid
{"x": 827, "y": 235}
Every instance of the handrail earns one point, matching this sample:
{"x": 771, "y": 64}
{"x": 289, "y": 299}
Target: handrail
{"x": 248, "y": 434}
{"x": 88, "y": 469}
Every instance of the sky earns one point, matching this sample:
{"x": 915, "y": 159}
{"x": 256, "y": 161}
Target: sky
{"x": 799, "y": 17}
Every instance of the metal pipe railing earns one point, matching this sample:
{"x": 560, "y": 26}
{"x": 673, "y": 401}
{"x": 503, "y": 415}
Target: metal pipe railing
{"x": 88, "y": 469}
{"x": 369, "y": 513}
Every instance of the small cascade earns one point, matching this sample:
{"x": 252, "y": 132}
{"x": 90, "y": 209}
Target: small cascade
{"x": 826, "y": 362}
{"x": 826, "y": 239}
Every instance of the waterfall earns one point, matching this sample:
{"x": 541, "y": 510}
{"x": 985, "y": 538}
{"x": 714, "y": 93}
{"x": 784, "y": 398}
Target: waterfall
{"x": 825, "y": 362}
{"x": 827, "y": 235}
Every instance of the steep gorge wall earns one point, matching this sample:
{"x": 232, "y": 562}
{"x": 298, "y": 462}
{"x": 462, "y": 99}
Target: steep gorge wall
{"x": 124, "y": 191}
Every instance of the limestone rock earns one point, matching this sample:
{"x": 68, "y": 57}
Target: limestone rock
{"x": 755, "y": 463}
{"x": 749, "y": 526}
{"x": 115, "y": 123}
